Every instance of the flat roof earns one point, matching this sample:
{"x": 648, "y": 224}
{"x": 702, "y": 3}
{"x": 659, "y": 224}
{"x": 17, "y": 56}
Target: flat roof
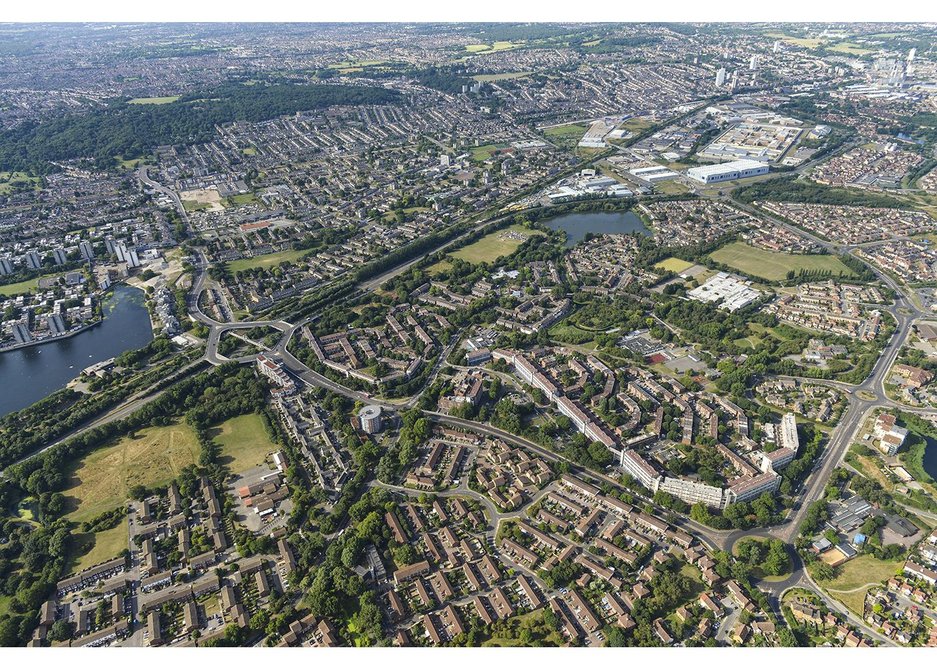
{"x": 370, "y": 411}
{"x": 723, "y": 167}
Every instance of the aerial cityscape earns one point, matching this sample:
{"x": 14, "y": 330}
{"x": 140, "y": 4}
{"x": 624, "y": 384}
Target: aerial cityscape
{"x": 468, "y": 334}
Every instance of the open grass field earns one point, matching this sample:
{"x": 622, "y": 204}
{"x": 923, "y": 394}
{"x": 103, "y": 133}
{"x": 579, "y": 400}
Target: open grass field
{"x": 240, "y": 199}
{"x": 482, "y": 153}
{"x": 244, "y": 442}
{"x": 753, "y": 342}
{"x": 569, "y": 131}
{"x": 192, "y": 206}
{"x": 438, "y": 268}
{"x": 850, "y": 48}
{"x": 671, "y": 188}
{"x": 357, "y": 64}
{"x": 488, "y": 48}
{"x": 861, "y": 572}
{"x": 496, "y": 244}
{"x": 797, "y": 41}
{"x": 30, "y": 285}
{"x": 674, "y": 264}
{"x": 19, "y": 288}
{"x": 10, "y": 181}
{"x": 637, "y": 124}
{"x": 774, "y": 266}
{"x": 102, "y": 480}
{"x": 501, "y": 76}
{"x": 854, "y": 600}
{"x": 266, "y": 261}
{"x": 104, "y": 545}
{"x": 568, "y": 332}
{"x": 392, "y": 214}
{"x": 154, "y": 100}
{"x": 758, "y": 328}
{"x": 250, "y": 150}
{"x": 131, "y": 163}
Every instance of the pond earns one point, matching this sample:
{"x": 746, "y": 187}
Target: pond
{"x": 929, "y": 460}
{"x": 578, "y": 225}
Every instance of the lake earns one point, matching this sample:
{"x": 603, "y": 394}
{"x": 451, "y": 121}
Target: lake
{"x": 578, "y": 225}
{"x": 30, "y": 374}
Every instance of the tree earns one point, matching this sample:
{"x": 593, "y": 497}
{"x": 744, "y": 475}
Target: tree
{"x": 823, "y": 572}
{"x": 60, "y": 630}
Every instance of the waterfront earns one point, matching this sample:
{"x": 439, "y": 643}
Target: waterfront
{"x": 578, "y": 225}
{"x": 29, "y": 374}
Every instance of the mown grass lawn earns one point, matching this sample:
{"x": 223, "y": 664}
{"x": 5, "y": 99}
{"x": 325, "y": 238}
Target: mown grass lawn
{"x": 167, "y": 99}
{"x": 501, "y": 76}
{"x": 568, "y": 131}
{"x": 674, "y": 264}
{"x": 241, "y": 199}
{"x": 19, "y": 288}
{"x": 266, "y": 261}
{"x": 774, "y": 266}
{"x": 244, "y": 442}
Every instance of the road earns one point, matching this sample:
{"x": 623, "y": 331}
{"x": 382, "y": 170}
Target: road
{"x": 860, "y": 402}
{"x": 904, "y": 311}
{"x": 119, "y": 412}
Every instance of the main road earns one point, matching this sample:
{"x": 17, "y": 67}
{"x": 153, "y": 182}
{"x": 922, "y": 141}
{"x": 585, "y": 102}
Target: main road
{"x": 862, "y": 400}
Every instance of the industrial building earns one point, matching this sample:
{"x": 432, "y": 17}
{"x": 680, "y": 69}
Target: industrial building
{"x": 653, "y": 174}
{"x": 727, "y": 171}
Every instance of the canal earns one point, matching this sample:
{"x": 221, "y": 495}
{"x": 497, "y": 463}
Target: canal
{"x": 578, "y": 225}
{"x": 30, "y": 374}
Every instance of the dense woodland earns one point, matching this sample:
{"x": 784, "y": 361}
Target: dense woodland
{"x": 130, "y": 130}
{"x": 792, "y": 189}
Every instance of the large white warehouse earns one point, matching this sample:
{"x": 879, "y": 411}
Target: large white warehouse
{"x": 727, "y": 171}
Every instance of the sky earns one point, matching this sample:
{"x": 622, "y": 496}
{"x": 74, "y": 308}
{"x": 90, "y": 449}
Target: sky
{"x": 474, "y": 10}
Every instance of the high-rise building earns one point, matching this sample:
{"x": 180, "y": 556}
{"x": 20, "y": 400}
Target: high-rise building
{"x": 121, "y": 251}
{"x": 132, "y": 259}
{"x": 21, "y": 333}
{"x": 33, "y": 261}
{"x": 109, "y": 244}
{"x": 777, "y": 46}
{"x": 87, "y": 251}
{"x": 370, "y": 419}
{"x": 753, "y": 63}
{"x": 721, "y": 77}
{"x": 58, "y": 256}
{"x": 6, "y": 266}
{"x": 56, "y": 324}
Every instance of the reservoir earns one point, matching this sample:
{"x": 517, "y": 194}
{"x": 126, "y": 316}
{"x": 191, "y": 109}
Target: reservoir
{"x": 30, "y": 374}
{"x": 578, "y": 225}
